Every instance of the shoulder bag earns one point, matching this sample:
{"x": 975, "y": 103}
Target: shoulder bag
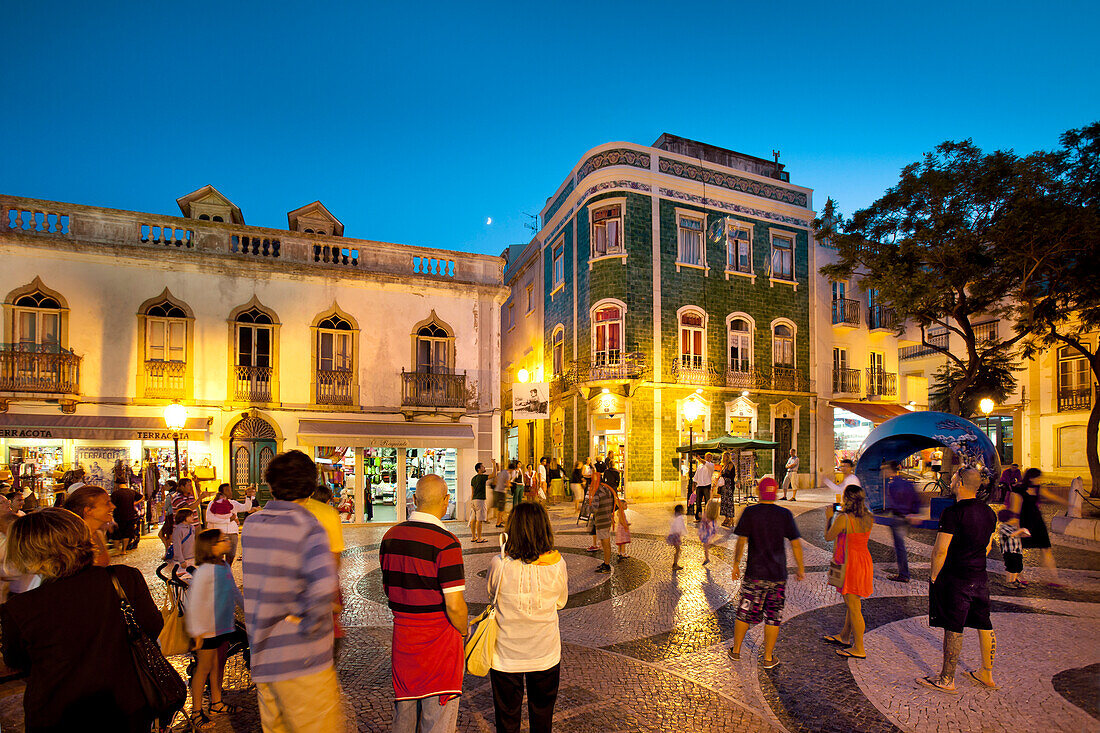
{"x": 173, "y": 638}
{"x": 837, "y": 570}
{"x": 482, "y": 639}
{"x": 164, "y": 689}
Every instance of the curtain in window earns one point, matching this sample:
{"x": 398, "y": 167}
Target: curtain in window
{"x": 691, "y": 241}
{"x": 782, "y": 266}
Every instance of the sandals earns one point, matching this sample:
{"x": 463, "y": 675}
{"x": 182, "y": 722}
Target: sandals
{"x": 847, "y": 653}
{"x": 835, "y": 641}
{"x": 974, "y": 676}
{"x": 936, "y": 684}
{"x": 223, "y": 708}
{"x": 199, "y": 720}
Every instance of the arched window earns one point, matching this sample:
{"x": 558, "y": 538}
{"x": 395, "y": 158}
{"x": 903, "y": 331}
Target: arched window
{"x": 204, "y": 217}
{"x": 335, "y": 361}
{"x": 433, "y": 349}
{"x": 38, "y": 321}
{"x": 783, "y": 345}
{"x": 692, "y": 340}
{"x": 164, "y": 327}
{"x": 218, "y": 218}
{"x": 254, "y": 345}
{"x": 558, "y": 341}
{"x": 740, "y": 346}
{"x": 165, "y": 332}
{"x": 607, "y": 336}
{"x": 334, "y": 344}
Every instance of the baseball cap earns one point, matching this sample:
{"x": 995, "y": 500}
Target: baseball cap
{"x": 767, "y": 488}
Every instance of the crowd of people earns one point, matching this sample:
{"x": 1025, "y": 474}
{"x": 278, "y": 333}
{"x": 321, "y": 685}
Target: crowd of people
{"x": 57, "y": 560}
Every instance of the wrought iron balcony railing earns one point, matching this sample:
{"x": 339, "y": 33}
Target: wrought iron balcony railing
{"x": 334, "y": 387}
{"x": 253, "y": 383}
{"x": 881, "y": 384}
{"x": 845, "y": 311}
{"x": 920, "y": 350}
{"x": 608, "y": 366}
{"x": 41, "y": 369}
{"x": 846, "y": 381}
{"x": 693, "y": 370}
{"x": 740, "y": 375}
{"x": 789, "y": 379}
{"x": 165, "y": 379}
{"x": 430, "y": 389}
{"x": 879, "y": 316}
{"x": 1075, "y": 399}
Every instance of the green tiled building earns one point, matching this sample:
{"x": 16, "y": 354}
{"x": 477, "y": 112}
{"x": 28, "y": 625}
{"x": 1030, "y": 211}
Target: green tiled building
{"x": 662, "y": 274}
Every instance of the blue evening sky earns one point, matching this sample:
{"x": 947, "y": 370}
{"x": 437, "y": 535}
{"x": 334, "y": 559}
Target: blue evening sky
{"x": 415, "y": 122}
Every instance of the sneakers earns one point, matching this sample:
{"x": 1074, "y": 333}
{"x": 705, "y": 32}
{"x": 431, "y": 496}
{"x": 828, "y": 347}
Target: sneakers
{"x": 603, "y": 568}
{"x": 771, "y": 663}
{"x": 898, "y": 579}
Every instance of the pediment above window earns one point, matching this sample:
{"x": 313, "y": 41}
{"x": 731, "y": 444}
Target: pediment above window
{"x": 314, "y": 219}
{"x": 209, "y": 204}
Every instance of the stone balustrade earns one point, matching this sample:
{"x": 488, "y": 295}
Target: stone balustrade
{"x": 112, "y": 227}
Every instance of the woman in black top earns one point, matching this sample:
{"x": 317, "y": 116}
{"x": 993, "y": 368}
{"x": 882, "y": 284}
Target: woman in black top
{"x": 1024, "y": 503}
{"x": 80, "y": 674}
{"x": 576, "y": 486}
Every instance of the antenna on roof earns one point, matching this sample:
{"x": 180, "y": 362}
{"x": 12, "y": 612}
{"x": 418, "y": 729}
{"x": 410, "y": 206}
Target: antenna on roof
{"x": 775, "y": 154}
{"x": 533, "y": 225}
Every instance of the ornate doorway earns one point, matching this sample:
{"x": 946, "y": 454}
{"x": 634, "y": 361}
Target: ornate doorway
{"x": 251, "y": 448}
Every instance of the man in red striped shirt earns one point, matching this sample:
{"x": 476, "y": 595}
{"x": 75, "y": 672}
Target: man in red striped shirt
{"x": 424, "y": 580}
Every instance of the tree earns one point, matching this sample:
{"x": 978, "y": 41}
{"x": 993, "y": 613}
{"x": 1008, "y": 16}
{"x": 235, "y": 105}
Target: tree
{"x": 1055, "y": 227}
{"x": 929, "y": 247}
{"x": 994, "y": 380}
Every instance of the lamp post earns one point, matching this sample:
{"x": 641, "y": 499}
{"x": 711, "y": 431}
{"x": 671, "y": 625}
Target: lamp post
{"x": 175, "y": 417}
{"x": 986, "y": 405}
{"x": 692, "y": 410}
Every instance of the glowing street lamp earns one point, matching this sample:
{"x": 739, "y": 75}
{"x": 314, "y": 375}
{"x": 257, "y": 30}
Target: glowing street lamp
{"x": 986, "y": 405}
{"x": 175, "y": 417}
{"x": 523, "y": 375}
{"x": 692, "y": 410}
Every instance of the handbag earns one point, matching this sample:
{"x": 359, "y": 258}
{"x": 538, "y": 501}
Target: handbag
{"x": 173, "y": 638}
{"x": 163, "y": 688}
{"x": 482, "y": 640}
{"x": 837, "y": 570}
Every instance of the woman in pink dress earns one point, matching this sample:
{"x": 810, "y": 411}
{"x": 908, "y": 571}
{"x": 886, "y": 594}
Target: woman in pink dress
{"x": 851, "y": 530}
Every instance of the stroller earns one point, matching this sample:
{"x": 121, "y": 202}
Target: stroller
{"x": 177, "y": 586}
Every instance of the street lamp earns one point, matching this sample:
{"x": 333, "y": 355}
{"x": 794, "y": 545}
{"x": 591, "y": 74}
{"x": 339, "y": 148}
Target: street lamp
{"x": 175, "y": 417}
{"x": 986, "y": 405}
{"x": 523, "y": 375}
{"x": 692, "y": 410}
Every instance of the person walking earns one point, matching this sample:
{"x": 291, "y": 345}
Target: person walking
{"x": 501, "y": 488}
{"x": 611, "y": 475}
{"x": 543, "y": 470}
{"x": 127, "y": 530}
{"x": 212, "y": 597}
{"x": 676, "y": 531}
{"x": 603, "y": 509}
{"x": 727, "y": 489}
{"x": 576, "y": 486}
{"x": 1010, "y": 478}
{"x": 93, "y": 505}
{"x": 288, "y": 599}
{"x": 762, "y": 528}
{"x": 788, "y": 476}
{"x": 848, "y": 477}
{"x": 708, "y": 528}
{"x": 529, "y": 583}
{"x": 555, "y": 485}
{"x": 902, "y": 507}
{"x": 1024, "y": 503}
{"x": 851, "y": 529}
{"x": 958, "y": 596}
{"x": 477, "y": 501}
{"x": 704, "y": 476}
{"x": 522, "y": 477}
{"x": 221, "y": 514}
{"x": 424, "y": 580}
{"x": 68, "y": 634}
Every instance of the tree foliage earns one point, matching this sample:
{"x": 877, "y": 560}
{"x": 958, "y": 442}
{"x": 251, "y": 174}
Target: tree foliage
{"x": 995, "y": 379}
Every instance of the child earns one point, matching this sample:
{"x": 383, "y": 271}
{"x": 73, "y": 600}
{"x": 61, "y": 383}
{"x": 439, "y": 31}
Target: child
{"x": 184, "y": 529}
{"x": 622, "y": 528}
{"x": 708, "y": 527}
{"x": 676, "y": 534}
{"x": 211, "y": 601}
{"x": 1011, "y": 547}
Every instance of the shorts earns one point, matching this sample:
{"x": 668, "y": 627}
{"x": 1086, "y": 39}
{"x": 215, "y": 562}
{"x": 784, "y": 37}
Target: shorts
{"x": 213, "y": 642}
{"x": 761, "y": 600}
{"x": 958, "y": 603}
{"x": 498, "y": 500}
{"x": 603, "y": 534}
{"x": 1014, "y": 562}
{"x": 480, "y": 513}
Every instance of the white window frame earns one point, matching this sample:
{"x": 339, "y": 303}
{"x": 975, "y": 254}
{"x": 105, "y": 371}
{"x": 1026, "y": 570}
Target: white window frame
{"x": 38, "y": 315}
{"x": 1071, "y": 356}
{"x": 789, "y": 237}
{"x": 729, "y": 337}
{"x": 557, "y": 266}
{"x": 694, "y": 361}
{"x": 609, "y": 302}
{"x": 170, "y": 351}
{"x": 557, "y": 350}
{"x": 341, "y": 359}
{"x": 593, "y": 225}
{"x": 732, "y": 225}
{"x": 701, "y": 218}
{"x": 254, "y": 356}
{"x": 794, "y": 342}
{"x": 530, "y": 299}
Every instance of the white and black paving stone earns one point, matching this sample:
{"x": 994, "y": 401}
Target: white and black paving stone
{"x": 645, "y": 649}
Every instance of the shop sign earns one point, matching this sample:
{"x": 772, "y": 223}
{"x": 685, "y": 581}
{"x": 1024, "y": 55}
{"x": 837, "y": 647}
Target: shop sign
{"x": 27, "y": 433}
{"x": 609, "y": 404}
{"x": 391, "y": 443}
{"x": 97, "y": 434}
{"x": 87, "y": 453}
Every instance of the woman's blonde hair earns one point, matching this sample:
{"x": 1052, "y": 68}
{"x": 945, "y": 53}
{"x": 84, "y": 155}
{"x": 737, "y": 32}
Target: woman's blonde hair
{"x": 854, "y": 502}
{"x": 711, "y": 512}
{"x": 53, "y": 543}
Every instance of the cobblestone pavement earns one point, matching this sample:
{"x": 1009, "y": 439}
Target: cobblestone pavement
{"x": 645, "y": 649}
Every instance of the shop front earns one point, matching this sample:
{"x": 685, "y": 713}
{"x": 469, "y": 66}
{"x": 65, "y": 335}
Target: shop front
{"x": 373, "y": 466}
{"x": 607, "y": 416}
{"x": 854, "y": 421}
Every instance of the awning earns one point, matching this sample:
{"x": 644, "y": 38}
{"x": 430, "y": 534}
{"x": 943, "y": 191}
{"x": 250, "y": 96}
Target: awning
{"x": 370, "y": 434}
{"x": 876, "y": 412}
{"x": 96, "y": 427}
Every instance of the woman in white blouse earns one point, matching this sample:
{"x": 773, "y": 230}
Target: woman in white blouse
{"x": 530, "y": 583}
{"x": 222, "y": 514}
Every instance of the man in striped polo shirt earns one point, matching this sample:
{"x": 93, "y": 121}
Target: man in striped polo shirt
{"x": 423, "y": 577}
{"x": 289, "y": 588}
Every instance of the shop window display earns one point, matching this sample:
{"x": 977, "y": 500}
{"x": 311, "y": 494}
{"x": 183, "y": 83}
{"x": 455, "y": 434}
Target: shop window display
{"x": 849, "y": 432}
{"x": 441, "y": 461}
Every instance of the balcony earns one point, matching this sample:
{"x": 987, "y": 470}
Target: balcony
{"x": 334, "y": 387}
{"x": 920, "y": 350}
{"x": 845, "y": 313}
{"x": 1070, "y": 400}
{"x": 740, "y": 375}
{"x": 165, "y": 379}
{"x": 845, "y": 381}
{"x": 693, "y": 370}
{"x": 39, "y": 369}
{"x": 788, "y": 379}
{"x": 608, "y": 366}
{"x": 881, "y": 384}
{"x": 985, "y": 332}
{"x": 434, "y": 390}
{"x": 880, "y": 318}
{"x": 253, "y": 384}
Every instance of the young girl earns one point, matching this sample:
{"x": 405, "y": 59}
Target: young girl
{"x": 676, "y": 534}
{"x": 622, "y": 528}
{"x": 211, "y": 600}
{"x": 184, "y": 529}
{"x": 1012, "y": 549}
{"x": 708, "y": 527}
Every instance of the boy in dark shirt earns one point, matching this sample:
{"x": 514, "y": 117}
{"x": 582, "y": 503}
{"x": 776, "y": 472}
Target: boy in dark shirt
{"x": 763, "y": 527}
{"x": 958, "y": 596}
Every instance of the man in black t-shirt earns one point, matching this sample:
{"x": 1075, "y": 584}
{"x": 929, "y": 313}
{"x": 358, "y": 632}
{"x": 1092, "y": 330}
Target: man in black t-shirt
{"x": 477, "y": 496}
{"x": 959, "y": 596}
{"x": 763, "y": 527}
